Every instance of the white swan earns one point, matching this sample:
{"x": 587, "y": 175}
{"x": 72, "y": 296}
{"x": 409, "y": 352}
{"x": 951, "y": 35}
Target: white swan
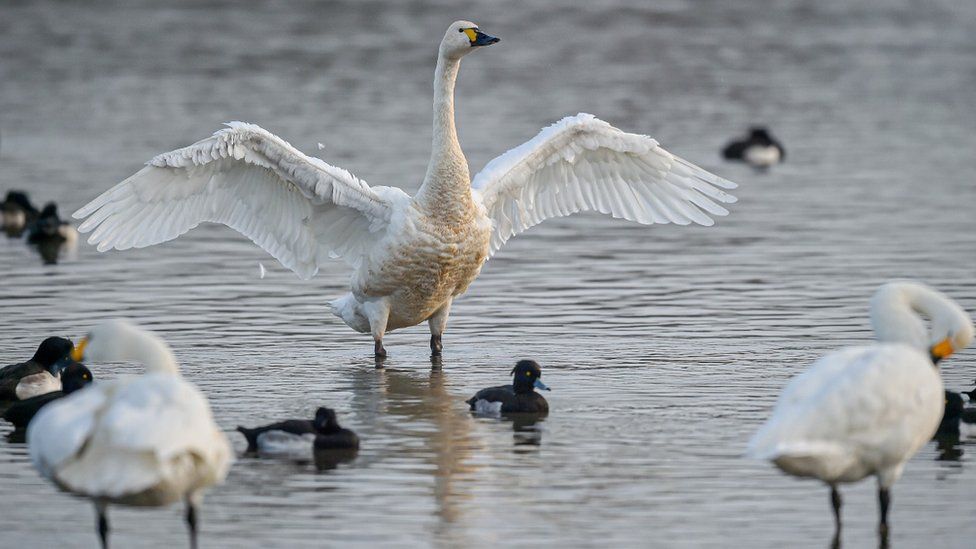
{"x": 411, "y": 256}
{"x": 145, "y": 441}
{"x": 863, "y": 411}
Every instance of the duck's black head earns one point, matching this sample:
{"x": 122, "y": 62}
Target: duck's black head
{"x": 48, "y": 222}
{"x": 50, "y": 211}
{"x": 759, "y": 133}
{"x": 18, "y": 198}
{"x": 325, "y": 419}
{"x": 953, "y": 412}
{"x": 52, "y": 350}
{"x": 527, "y": 374}
{"x": 75, "y": 376}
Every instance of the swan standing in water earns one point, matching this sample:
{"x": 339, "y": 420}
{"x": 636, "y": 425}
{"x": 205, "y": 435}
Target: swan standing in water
{"x": 864, "y": 411}
{"x": 144, "y": 441}
{"x": 411, "y": 256}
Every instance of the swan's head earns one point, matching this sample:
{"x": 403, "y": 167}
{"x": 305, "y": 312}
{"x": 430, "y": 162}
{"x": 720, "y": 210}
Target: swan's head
{"x": 897, "y": 311}
{"x": 122, "y": 341}
{"x": 462, "y": 38}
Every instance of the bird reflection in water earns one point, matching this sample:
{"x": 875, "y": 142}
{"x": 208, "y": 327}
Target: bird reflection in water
{"x": 327, "y": 460}
{"x": 431, "y": 425}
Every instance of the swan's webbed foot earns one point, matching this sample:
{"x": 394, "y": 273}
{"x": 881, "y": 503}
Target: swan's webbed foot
{"x": 378, "y": 350}
{"x": 435, "y": 345}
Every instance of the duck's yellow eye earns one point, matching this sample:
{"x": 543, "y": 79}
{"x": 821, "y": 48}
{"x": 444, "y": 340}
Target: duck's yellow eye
{"x": 528, "y": 373}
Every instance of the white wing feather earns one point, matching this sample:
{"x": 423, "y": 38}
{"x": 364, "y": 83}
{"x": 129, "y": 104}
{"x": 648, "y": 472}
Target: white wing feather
{"x": 582, "y": 163}
{"x": 297, "y": 208}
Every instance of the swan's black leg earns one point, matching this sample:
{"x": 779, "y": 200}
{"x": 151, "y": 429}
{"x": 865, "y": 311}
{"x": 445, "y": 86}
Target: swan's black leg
{"x": 191, "y": 521}
{"x": 378, "y": 350}
{"x": 884, "y": 498}
{"x": 102, "y": 511}
{"x": 835, "y": 501}
{"x": 435, "y": 345}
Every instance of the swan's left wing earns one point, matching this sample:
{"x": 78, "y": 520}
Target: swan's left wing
{"x": 582, "y": 163}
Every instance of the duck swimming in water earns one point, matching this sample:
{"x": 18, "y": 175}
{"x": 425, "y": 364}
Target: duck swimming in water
{"x": 16, "y": 213}
{"x": 518, "y": 398}
{"x": 411, "y": 256}
{"x": 37, "y": 376}
{"x": 759, "y": 149}
{"x": 73, "y": 377}
{"x": 293, "y": 436}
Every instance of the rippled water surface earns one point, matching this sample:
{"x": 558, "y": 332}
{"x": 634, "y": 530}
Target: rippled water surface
{"x": 665, "y": 346}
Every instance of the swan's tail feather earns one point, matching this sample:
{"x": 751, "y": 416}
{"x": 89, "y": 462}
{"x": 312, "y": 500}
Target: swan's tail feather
{"x": 350, "y": 311}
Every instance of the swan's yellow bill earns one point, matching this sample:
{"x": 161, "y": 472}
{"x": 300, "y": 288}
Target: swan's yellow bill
{"x": 943, "y": 348}
{"x": 78, "y": 352}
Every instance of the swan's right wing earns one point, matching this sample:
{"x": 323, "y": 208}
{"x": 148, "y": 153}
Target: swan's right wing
{"x": 297, "y": 208}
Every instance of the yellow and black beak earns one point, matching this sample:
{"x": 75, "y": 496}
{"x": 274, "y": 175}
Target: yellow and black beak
{"x": 78, "y": 352}
{"x": 941, "y": 350}
{"x": 479, "y": 38}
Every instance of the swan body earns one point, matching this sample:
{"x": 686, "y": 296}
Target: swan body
{"x": 149, "y": 440}
{"x": 411, "y": 256}
{"x": 863, "y": 411}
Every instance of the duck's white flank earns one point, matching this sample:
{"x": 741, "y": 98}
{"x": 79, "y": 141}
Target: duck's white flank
{"x": 37, "y": 384}
{"x": 281, "y": 443}
{"x": 410, "y": 255}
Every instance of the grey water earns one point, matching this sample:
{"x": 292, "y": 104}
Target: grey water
{"x": 665, "y": 346}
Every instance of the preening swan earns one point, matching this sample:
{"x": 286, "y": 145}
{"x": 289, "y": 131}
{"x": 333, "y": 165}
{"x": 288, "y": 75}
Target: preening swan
{"x": 411, "y": 256}
{"x": 863, "y": 411}
{"x": 145, "y": 441}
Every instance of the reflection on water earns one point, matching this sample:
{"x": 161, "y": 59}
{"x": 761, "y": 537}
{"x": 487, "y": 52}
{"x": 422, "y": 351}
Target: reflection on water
{"x": 668, "y": 344}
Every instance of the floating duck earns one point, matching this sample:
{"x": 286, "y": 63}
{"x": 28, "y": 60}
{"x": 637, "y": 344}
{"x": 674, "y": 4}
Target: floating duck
{"x": 759, "y": 149}
{"x": 518, "y": 398}
{"x": 73, "y": 377}
{"x": 39, "y": 375}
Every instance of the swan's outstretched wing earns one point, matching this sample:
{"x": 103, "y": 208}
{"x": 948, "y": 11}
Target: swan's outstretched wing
{"x": 298, "y": 208}
{"x": 582, "y": 163}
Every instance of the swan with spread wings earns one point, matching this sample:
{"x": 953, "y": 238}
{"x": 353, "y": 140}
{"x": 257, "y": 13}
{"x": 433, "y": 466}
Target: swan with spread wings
{"x": 411, "y": 256}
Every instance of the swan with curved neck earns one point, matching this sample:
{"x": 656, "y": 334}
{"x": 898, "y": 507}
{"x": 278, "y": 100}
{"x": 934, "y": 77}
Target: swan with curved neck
{"x": 120, "y": 341}
{"x": 411, "y": 256}
{"x": 895, "y": 316}
{"x": 147, "y": 440}
{"x": 864, "y": 411}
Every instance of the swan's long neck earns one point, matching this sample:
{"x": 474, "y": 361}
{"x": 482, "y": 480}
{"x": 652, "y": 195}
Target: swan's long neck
{"x": 446, "y": 190}
{"x": 896, "y": 316}
{"x": 152, "y": 352}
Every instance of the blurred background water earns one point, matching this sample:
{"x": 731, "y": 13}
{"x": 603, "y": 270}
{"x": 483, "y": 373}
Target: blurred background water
{"x": 665, "y": 346}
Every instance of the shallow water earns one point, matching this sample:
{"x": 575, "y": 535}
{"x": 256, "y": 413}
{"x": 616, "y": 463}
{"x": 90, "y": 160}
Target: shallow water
{"x": 665, "y": 346}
